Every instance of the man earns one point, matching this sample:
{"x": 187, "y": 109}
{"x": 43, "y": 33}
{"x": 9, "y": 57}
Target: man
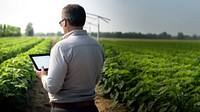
{"x": 75, "y": 65}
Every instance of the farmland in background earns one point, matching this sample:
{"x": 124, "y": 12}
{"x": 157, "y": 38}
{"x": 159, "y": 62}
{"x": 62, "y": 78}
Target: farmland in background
{"x": 153, "y": 75}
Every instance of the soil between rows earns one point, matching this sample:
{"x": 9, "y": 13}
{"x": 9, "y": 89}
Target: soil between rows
{"x": 39, "y": 101}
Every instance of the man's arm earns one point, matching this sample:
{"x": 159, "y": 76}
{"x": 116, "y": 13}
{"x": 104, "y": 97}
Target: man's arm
{"x": 57, "y": 71}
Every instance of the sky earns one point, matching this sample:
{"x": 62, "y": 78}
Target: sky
{"x": 145, "y": 16}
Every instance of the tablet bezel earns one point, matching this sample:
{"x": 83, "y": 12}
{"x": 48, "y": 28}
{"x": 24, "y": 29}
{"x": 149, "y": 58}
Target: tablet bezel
{"x": 36, "y": 55}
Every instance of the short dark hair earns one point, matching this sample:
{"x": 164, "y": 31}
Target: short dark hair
{"x": 74, "y": 14}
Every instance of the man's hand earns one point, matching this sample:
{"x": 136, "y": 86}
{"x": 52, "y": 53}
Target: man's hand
{"x": 41, "y": 73}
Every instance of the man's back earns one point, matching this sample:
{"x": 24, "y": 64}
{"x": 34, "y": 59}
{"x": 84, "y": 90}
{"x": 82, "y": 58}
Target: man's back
{"x": 84, "y": 59}
{"x": 74, "y": 67}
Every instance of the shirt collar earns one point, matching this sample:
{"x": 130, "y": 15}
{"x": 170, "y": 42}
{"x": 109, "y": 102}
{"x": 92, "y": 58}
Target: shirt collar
{"x": 74, "y": 32}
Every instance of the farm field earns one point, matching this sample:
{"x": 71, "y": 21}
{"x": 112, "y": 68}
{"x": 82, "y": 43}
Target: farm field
{"x": 16, "y": 69}
{"x": 153, "y": 75}
{"x": 145, "y": 75}
{"x": 20, "y": 90}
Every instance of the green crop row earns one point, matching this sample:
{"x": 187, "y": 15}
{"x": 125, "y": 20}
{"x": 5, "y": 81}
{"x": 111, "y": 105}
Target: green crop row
{"x": 8, "y": 39}
{"x": 153, "y": 76}
{"x": 17, "y": 75}
{"x": 8, "y": 42}
{"x": 12, "y": 51}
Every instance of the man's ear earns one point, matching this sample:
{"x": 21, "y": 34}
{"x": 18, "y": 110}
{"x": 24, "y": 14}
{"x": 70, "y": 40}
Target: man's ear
{"x": 65, "y": 23}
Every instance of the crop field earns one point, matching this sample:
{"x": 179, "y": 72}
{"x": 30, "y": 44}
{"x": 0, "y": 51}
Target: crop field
{"x": 153, "y": 75}
{"x": 16, "y": 69}
{"x": 145, "y": 75}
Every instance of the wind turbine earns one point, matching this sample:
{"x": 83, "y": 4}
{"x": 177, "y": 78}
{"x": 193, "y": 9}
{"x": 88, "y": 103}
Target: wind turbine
{"x": 98, "y": 25}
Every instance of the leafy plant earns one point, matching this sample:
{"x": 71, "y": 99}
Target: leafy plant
{"x": 153, "y": 76}
{"x": 17, "y": 76}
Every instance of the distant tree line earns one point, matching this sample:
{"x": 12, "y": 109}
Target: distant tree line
{"x": 29, "y": 31}
{"x": 8, "y": 30}
{"x": 163, "y": 35}
{"x": 49, "y": 34}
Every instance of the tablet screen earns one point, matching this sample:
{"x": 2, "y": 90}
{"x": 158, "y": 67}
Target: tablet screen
{"x": 40, "y": 60}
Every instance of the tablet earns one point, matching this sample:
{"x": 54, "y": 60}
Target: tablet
{"x": 40, "y": 60}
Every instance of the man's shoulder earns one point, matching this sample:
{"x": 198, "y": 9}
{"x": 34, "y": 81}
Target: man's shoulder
{"x": 74, "y": 41}
{"x": 62, "y": 44}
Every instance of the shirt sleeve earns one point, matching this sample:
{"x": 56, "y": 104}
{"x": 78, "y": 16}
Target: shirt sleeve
{"x": 53, "y": 82}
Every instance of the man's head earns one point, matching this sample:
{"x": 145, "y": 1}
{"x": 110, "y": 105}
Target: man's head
{"x": 73, "y": 17}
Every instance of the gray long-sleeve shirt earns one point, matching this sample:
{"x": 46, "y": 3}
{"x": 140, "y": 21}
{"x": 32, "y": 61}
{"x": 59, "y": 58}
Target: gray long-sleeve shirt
{"x": 75, "y": 68}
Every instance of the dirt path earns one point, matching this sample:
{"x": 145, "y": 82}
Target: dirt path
{"x": 106, "y": 105}
{"x": 39, "y": 101}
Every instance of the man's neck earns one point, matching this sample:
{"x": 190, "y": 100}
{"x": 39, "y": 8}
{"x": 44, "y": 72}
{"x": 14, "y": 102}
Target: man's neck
{"x": 71, "y": 28}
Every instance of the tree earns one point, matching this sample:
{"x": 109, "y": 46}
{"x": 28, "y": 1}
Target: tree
{"x": 194, "y": 36}
{"x": 1, "y": 30}
{"x": 9, "y": 30}
{"x": 180, "y": 35}
{"x": 50, "y": 34}
{"x": 4, "y": 30}
{"x": 59, "y": 33}
{"x": 40, "y": 34}
{"x": 164, "y": 35}
{"x": 29, "y": 30}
